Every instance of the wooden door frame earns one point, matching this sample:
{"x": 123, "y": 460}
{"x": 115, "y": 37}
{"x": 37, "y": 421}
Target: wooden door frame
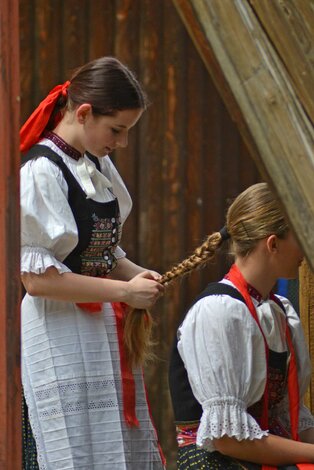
{"x": 10, "y": 388}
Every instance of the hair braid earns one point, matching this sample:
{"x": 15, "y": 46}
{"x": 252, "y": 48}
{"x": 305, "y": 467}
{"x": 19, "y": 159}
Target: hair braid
{"x": 201, "y": 255}
{"x": 138, "y": 323}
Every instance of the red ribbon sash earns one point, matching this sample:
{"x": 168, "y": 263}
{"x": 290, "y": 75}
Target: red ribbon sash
{"x": 128, "y": 384}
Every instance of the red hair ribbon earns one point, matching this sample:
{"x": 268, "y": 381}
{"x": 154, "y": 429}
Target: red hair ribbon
{"x": 35, "y": 125}
{"x": 235, "y": 276}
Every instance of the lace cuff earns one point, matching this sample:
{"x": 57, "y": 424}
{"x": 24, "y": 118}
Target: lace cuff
{"x": 226, "y": 416}
{"x": 37, "y": 260}
{"x": 306, "y": 419}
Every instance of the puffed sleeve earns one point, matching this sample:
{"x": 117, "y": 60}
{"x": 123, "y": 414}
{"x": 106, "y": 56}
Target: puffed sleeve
{"x": 306, "y": 419}
{"x": 48, "y": 228}
{"x": 223, "y": 352}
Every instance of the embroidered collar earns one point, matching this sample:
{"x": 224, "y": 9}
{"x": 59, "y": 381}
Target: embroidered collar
{"x": 254, "y": 293}
{"x": 62, "y": 145}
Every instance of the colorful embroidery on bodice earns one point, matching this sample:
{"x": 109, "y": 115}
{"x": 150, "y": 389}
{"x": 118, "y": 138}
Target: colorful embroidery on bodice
{"x": 277, "y": 380}
{"x": 98, "y": 258}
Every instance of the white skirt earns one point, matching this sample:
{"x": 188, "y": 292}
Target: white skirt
{"x": 72, "y": 385}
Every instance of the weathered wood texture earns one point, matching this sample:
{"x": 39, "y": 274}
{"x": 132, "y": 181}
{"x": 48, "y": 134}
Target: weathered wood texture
{"x": 307, "y": 317}
{"x": 185, "y": 160}
{"x": 262, "y": 91}
{"x": 10, "y": 390}
{"x": 289, "y": 25}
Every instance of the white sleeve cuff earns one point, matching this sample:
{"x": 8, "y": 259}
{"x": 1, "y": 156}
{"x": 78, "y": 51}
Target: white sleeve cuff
{"x": 37, "y": 260}
{"x": 306, "y": 419}
{"x": 226, "y": 416}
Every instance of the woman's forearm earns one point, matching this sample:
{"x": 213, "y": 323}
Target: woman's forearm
{"x": 73, "y": 287}
{"x": 140, "y": 292}
{"x": 270, "y": 450}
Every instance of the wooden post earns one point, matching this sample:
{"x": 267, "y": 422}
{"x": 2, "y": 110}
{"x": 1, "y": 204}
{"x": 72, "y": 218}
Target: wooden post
{"x": 263, "y": 97}
{"x": 10, "y": 390}
{"x": 307, "y": 317}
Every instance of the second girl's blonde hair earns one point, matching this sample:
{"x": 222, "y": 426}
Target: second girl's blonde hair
{"x": 254, "y": 214}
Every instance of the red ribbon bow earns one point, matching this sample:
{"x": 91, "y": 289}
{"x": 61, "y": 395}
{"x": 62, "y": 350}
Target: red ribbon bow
{"x": 35, "y": 125}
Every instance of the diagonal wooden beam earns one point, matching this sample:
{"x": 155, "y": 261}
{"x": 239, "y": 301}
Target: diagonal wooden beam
{"x": 260, "y": 95}
{"x": 289, "y": 24}
{"x": 10, "y": 390}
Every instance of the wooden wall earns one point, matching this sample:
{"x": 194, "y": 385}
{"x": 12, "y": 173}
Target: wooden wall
{"x": 185, "y": 160}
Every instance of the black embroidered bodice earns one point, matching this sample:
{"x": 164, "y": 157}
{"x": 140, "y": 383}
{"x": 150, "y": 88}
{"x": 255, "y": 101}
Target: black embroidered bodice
{"x": 98, "y": 223}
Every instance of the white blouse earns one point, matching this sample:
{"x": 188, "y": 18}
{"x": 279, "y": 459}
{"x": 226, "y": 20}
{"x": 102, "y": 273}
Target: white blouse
{"x": 223, "y": 351}
{"x": 48, "y": 230}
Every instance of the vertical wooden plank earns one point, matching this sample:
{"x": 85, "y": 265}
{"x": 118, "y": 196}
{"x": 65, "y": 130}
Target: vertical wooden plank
{"x": 230, "y": 151}
{"x": 174, "y": 158}
{"x": 101, "y": 28}
{"x": 152, "y": 225}
{"x": 10, "y": 389}
{"x": 214, "y": 201}
{"x": 47, "y": 47}
{"x": 306, "y": 293}
{"x": 151, "y": 135}
{"x": 75, "y": 29}
{"x": 193, "y": 179}
{"x": 27, "y": 38}
{"x": 175, "y": 155}
{"x": 126, "y": 46}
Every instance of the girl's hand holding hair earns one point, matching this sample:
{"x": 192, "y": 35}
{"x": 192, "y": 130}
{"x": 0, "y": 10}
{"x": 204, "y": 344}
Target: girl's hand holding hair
{"x": 143, "y": 290}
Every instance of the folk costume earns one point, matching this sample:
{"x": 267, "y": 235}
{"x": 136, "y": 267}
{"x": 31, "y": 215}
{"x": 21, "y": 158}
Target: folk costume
{"x": 231, "y": 373}
{"x": 87, "y": 409}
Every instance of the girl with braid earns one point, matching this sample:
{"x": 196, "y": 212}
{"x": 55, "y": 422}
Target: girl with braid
{"x": 240, "y": 367}
{"x": 85, "y": 402}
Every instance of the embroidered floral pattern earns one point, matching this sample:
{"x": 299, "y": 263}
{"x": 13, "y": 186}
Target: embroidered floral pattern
{"x": 98, "y": 259}
{"x": 277, "y": 388}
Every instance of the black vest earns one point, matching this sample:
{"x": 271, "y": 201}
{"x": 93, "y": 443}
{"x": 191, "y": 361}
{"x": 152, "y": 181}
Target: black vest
{"x": 98, "y": 223}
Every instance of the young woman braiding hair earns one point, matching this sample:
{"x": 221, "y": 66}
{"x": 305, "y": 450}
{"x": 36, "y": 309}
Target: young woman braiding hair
{"x": 85, "y": 406}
